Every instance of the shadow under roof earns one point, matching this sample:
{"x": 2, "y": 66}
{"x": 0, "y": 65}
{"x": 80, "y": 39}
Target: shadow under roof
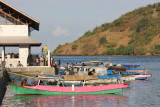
{"x": 18, "y": 40}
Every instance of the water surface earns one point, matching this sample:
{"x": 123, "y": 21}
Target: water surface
{"x": 142, "y": 93}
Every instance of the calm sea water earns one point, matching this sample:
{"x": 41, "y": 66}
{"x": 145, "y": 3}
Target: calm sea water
{"x": 141, "y": 93}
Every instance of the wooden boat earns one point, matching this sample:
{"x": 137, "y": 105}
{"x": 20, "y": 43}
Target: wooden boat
{"x": 88, "y": 63}
{"x": 50, "y": 79}
{"x": 131, "y": 66}
{"x": 137, "y": 76}
{"x": 137, "y": 70}
{"x": 56, "y": 90}
{"x": 142, "y": 76}
{"x": 99, "y": 76}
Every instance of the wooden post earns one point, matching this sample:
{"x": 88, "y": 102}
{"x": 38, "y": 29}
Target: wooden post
{"x": 84, "y": 83}
{"x": 72, "y": 87}
{"x": 45, "y": 49}
{"x": 49, "y": 58}
{"x": 29, "y": 50}
{"x": 3, "y": 60}
{"x": 45, "y": 59}
{"x": 3, "y": 53}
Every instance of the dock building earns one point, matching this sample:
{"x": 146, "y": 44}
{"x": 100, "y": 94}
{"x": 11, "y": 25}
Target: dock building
{"x": 15, "y": 30}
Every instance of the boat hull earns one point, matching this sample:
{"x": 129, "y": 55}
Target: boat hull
{"x": 137, "y": 71}
{"x": 28, "y": 91}
{"x": 141, "y": 78}
{"x": 143, "y": 75}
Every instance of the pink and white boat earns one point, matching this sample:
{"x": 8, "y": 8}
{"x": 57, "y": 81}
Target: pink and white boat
{"x": 142, "y": 76}
{"x": 57, "y": 90}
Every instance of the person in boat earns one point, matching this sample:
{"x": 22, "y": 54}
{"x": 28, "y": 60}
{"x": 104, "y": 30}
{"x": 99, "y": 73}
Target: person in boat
{"x": 41, "y": 82}
{"x": 59, "y": 62}
{"x": 53, "y": 62}
{"x": 19, "y": 64}
{"x": 35, "y": 81}
{"x": 24, "y": 82}
{"x": 67, "y": 72}
{"x": 91, "y": 72}
{"x": 67, "y": 67}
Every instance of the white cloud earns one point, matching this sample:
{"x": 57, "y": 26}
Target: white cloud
{"x": 60, "y": 32}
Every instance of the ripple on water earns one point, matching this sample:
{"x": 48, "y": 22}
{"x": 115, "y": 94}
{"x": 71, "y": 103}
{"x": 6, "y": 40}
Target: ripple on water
{"x": 69, "y": 100}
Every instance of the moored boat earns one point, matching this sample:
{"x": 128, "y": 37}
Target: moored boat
{"x": 137, "y": 70}
{"x": 142, "y": 76}
{"x": 57, "y": 90}
{"x": 68, "y": 80}
{"x": 138, "y": 76}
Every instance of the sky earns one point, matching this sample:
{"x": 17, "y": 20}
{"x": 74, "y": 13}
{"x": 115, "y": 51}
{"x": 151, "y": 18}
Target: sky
{"x": 63, "y": 21}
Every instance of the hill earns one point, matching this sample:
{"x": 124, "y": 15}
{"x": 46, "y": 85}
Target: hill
{"x": 135, "y": 33}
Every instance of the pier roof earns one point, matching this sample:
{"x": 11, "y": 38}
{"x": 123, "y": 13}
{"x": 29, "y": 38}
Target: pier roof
{"x": 18, "y": 40}
{"x": 18, "y": 15}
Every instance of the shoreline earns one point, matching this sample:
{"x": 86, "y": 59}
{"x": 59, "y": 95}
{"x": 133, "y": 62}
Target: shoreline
{"x": 114, "y": 55}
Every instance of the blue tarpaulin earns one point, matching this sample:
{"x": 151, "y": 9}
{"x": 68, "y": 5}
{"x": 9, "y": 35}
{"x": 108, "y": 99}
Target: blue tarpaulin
{"x": 109, "y": 76}
{"x": 109, "y": 71}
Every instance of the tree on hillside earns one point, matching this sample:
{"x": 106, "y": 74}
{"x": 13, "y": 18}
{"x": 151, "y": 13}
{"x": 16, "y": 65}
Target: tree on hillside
{"x": 102, "y": 40}
{"x": 155, "y": 49}
{"x": 110, "y": 51}
{"x": 142, "y": 24}
{"x": 74, "y": 46}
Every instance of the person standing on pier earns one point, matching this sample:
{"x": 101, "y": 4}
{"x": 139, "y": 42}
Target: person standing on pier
{"x": 41, "y": 61}
{"x": 19, "y": 64}
{"x": 37, "y": 61}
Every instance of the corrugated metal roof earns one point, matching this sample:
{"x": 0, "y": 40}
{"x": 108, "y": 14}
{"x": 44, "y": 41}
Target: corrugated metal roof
{"x": 18, "y": 40}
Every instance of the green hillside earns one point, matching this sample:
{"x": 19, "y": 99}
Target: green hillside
{"x": 135, "y": 33}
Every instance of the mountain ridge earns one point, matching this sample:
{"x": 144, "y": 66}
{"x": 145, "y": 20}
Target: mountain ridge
{"x": 134, "y": 33}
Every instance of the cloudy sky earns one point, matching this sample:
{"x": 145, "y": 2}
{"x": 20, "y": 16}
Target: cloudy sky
{"x": 63, "y": 21}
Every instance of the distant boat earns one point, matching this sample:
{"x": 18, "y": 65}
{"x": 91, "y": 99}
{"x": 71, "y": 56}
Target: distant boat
{"x": 130, "y": 73}
{"x": 137, "y": 70}
{"x": 57, "y": 90}
{"x": 142, "y": 76}
{"x": 137, "y": 76}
